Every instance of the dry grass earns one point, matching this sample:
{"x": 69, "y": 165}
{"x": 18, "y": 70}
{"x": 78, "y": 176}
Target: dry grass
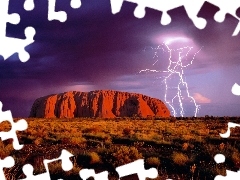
{"x": 152, "y": 130}
{"x": 104, "y": 143}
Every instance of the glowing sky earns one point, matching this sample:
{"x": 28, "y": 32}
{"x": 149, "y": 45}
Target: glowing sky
{"x": 95, "y": 49}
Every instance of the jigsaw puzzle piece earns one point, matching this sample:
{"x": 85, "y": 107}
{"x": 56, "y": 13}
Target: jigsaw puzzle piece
{"x": 5, "y": 17}
{"x": 208, "y": 12}
{"x": 56, "y": 172}
{"x": 225, "y": 8}
{"x": 60, "y": 15}
{"x": 230, "y": 175}
{"x": 9, "y": 46}
{"x": 64, "y": 157}
{"x": 76, "y": 4}
{"x": 21, "y": 125}
{"x": 192, "y": 8}
{"x": 28, "y": 171}
{"x": 219, "y": 158}
{"x": 230, "y": 125}
{"x": 116, "y": 6}
{"x": 237, "y": 30}
{"x": 5, "y": 163}
{"x": 53, "y": 15}
{"x": 137, "y": 167}
{"x": 236, "y": 89}
{"x": 229, "y": 7}
{"x": 87, "y": 173}
{"x": 66, "y": 166}
{"x": 29, "y": 5}
{"x": 140, "y": 12}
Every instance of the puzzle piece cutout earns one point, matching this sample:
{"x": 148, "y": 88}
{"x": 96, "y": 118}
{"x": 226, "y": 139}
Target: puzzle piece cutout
{"x": 5, "y": 163}
{"x": 66, "y": 166}
{"x": 29, "y": 5}
{"x": 60, "y": 15}
{"x": 8, "y": 45}
{"x": 227, "y": 7}
{"x": 137, "y": 167}
{"x": 230, "y": 125}
{"x": 87, "y": 173}
{"x": 230, "y": 175}
{"x": 192, "y": 8}
{"x": 21, "y": 125}
{"x": 220, "y": 158}
{"x": 236, "y": 89}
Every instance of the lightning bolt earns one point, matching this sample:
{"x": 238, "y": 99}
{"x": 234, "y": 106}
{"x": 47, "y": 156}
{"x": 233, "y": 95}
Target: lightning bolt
{"x": 175, "y": 67}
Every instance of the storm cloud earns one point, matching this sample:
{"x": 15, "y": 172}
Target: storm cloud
{"x": 95, "y": 49}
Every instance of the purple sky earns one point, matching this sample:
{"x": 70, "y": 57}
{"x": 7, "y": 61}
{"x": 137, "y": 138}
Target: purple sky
{"x": 95, "y": 49}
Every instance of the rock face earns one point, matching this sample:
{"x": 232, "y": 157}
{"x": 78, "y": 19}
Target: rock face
{"x": 105, "y": 104}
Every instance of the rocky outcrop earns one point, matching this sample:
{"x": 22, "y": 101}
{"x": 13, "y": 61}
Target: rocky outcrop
{"x": 105, "y": 104}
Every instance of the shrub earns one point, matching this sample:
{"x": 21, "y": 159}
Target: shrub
{"x": 83, "y": 159}
{"x": 5, "y": 150}
{"x": 86, "y": 158}
{"x": 222, "y": 146}
{"x": 127, "y": 131}
{"x": 77, "y": 140}
{"x": 38, "y": 141}
{"x": 91, "y": 130}
{"x": 180, "y": 158}
{"x": 55, "y": 167}
{"x": 94, "y": 157}
{"x": 153, "y": 161}
{"x": 108, "y": 142}
{"x": 5, "y": 126}
{"x": 236, "y": 158}
{"x": 185, "y": 146}
{"x": 123, "y": 155}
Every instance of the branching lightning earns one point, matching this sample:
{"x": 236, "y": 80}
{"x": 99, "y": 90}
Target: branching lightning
{"x": 175, "y": 67}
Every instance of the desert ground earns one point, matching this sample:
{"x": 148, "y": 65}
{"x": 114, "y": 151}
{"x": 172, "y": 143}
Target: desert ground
{"x": 180, "y": 148}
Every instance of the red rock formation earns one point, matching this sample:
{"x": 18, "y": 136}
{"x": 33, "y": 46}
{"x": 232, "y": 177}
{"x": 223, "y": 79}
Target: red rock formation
{"x": 105, "y": 104}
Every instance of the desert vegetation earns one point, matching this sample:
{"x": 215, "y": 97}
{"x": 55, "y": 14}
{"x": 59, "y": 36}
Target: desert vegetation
{"x": 180, "y": 148}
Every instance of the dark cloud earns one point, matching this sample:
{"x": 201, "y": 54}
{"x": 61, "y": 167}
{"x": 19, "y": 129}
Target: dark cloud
{"x": 98, "y": 49}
